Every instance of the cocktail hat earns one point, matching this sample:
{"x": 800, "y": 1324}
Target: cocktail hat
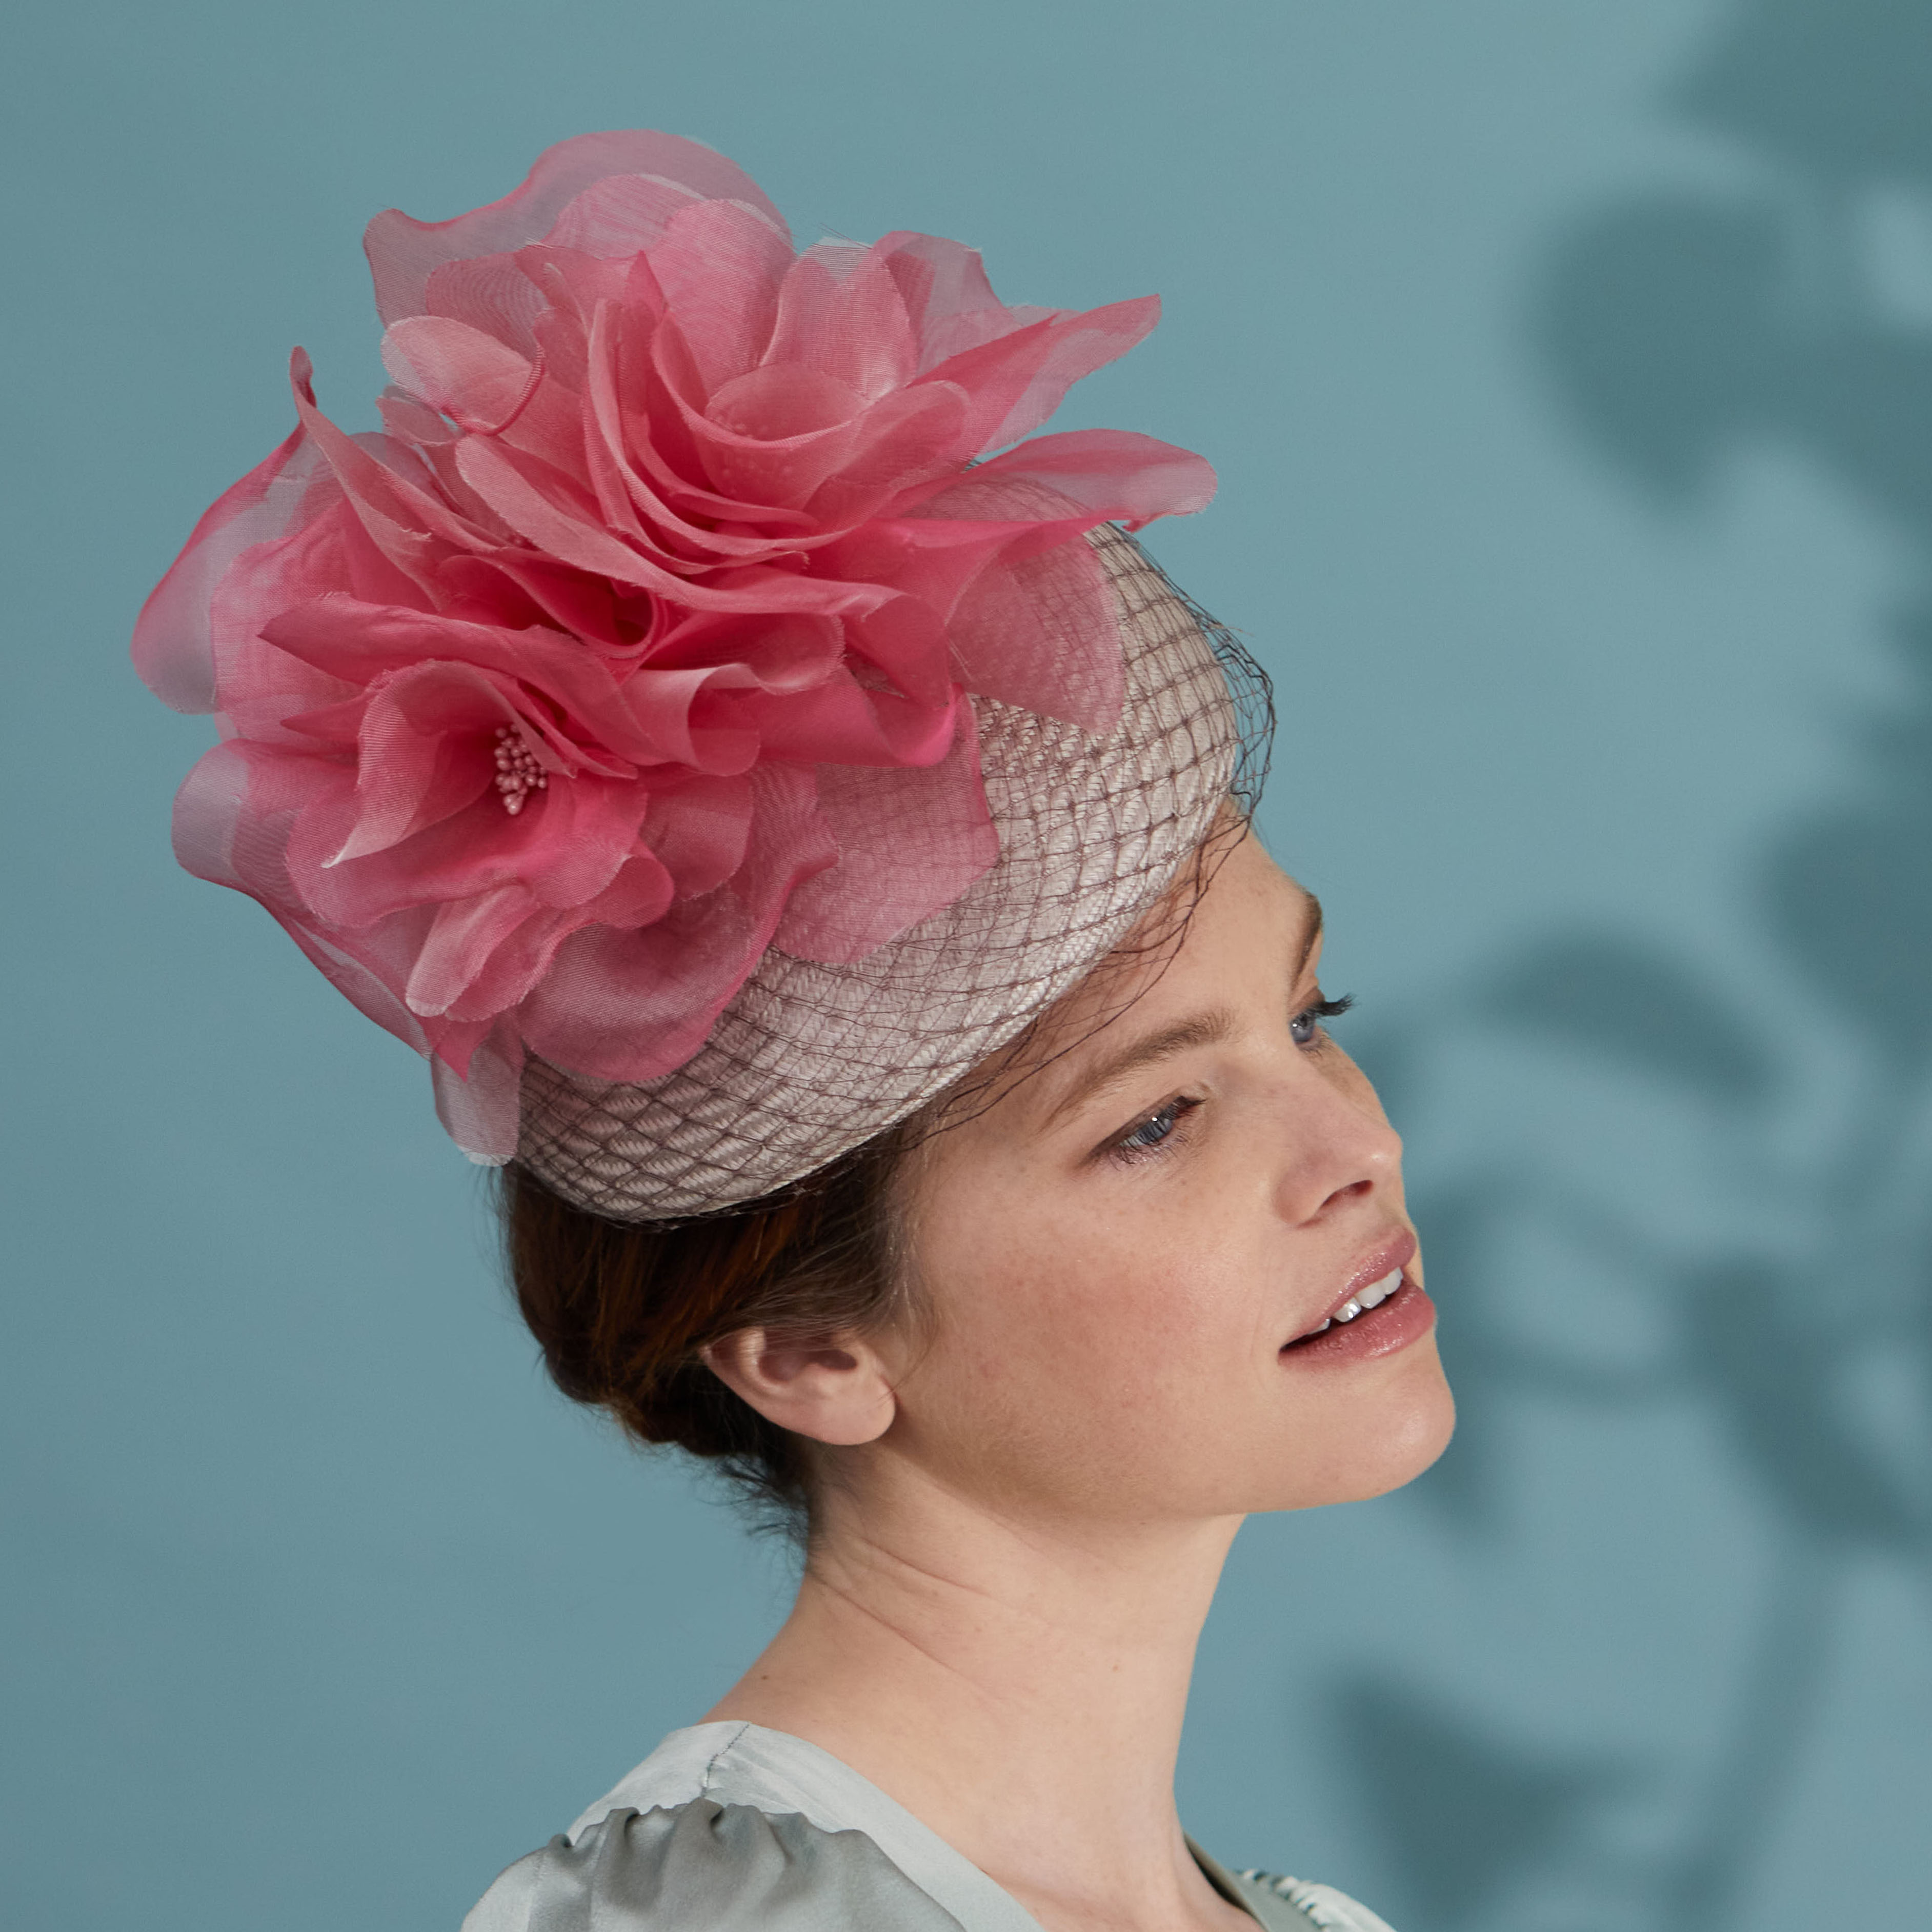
{"x": 674, "y": 723}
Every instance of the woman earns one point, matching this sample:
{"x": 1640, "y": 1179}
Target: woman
{"x": 812, "y": 850}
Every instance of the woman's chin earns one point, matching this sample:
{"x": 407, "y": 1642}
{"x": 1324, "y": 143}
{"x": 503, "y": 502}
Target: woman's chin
{"x": 1380, "y": 1448}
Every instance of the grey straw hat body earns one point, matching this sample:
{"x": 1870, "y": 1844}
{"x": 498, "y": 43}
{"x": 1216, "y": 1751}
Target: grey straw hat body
{"x": 810, "y": 1060}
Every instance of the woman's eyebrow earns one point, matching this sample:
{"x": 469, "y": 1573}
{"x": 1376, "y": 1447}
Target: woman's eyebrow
{"x": 1310, "y": 933}
{"x": 1207, "y": 1029}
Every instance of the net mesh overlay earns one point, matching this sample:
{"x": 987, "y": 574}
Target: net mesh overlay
{"x": 810, "y": 1059}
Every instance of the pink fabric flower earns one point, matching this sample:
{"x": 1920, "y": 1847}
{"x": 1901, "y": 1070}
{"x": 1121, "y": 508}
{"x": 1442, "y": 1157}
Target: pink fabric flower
{"x": 542, "y": 708}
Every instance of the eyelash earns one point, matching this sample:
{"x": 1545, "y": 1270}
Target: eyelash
{"x": 1131, "y": 1147}
{"x": 1140, "y": 1143}
{"x": 1313, "y": 1016}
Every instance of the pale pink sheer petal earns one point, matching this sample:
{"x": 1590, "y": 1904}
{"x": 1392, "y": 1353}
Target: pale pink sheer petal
{"x": 1018, "y": 380}
{"x": 481, "y": 1108}
{"x": 639, "y": 894}
{"x": 544, "y": 514}
{"x": 476, "y": 381}
{"x": 720, "y": 266}
{"x": 615, "y": 219}
{"x": 622, "y": 1005}
{"x": 841, "y": 313}
{"x": 231, "y": 821}
{"x": 767, "y": 439}
{"x": 794, "y": 651}
{"x": 423, "y": 750}
{"x": 403, "y": 253}
{"x": 905, "y": 440}
{"x": 1121, "y": 476}
{"x": 633, "y": 503}
{"x": 948, "y": 299}
{"x": 257, "y": 686}
{"x": 697, "y": 829}
{"x": 1041, "y": 634}
{"x": 840, "y": 722}
{"x": 411, "y": 526}
{"x": 172, "y": 649}
{"x": 410, "y": 419}
{"x": 564, "y": 847}
{"x": 493, "y": 294}
{"x": 906, "y": 640}
{"x": 550, "y": 427}
{"x": 358, "y": 643}
{"x": 515, "y": 588}
{"x": 361, "y": 965}
{"x": 910, "y": 842}
{"x": 463, "y": 934}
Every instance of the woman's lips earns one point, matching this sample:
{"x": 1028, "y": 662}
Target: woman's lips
{"x": 1405, "y": 1316}
{"x": 1381, "y": 1308}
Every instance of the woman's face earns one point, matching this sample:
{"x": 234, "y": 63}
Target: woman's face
{"x": 1126, "y": 1260}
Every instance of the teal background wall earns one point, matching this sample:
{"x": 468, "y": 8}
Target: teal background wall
{"x": 1568, "y": 368}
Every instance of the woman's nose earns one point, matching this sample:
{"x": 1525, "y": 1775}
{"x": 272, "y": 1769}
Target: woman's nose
{"x": 1338, "y": 1150}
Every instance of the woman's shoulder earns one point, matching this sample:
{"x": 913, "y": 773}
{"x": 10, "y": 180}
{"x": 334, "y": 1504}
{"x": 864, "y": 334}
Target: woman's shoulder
{"x": 732, "y": 1828}
{"x": 1289, "y": 1904}
{"x": 726, "y": 1827}
{"x": 704, "y": 1866}
{"x": 1294, "y": 1904}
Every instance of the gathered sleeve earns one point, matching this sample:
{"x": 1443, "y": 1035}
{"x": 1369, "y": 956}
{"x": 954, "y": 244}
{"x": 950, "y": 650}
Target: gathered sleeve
{"x": 703, "y": 1867}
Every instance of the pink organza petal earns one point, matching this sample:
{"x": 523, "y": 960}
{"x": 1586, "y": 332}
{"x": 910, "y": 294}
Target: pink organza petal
{"x": 1041, "y": 634}
{"x": 795, "y": 651}
{"x": 720, "y": 265}
{"x": 620, "y": 216}
{"x": 480, "y": 1107}
{"x": 622, "y": 1005}
{"x": 1052, "y": 357}
{"x": 697, "y": 830}
{"x": 841, "y": 312}
{"x": 476, "y": 381}
{"x": 840, "y": 722}
{"x": 463, "y": 934}
{"x": 409, "y": 419}
{"x": 1121, "y": 476}
{"x": 403, "y": 254}
{"x": 634, "y": 503}
{"x": 542, "y": 511}
{"x": 764, "y": 445}
{"x": 410, "y": 525}
{"x": 948, "y": 299}
{"x": 360, "y": 643}
{"x": 562, "y": 848}
{"x": 172, "y": 649}
{"x": 424, "y": 747}
{"x": 491, "y": 293}
{"x": 910, "y": 841}
{"x": 638, "y": 895}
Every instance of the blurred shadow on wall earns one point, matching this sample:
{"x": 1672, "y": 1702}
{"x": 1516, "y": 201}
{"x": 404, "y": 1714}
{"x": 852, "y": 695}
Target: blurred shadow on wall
{"x": 1677, "y": 328}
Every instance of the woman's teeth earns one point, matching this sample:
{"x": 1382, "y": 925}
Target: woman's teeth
{"x": 1373, "y": 1296}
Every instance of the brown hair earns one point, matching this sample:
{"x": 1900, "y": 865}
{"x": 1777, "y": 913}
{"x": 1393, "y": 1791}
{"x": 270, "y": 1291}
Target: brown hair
{"x": 622, "y": 1311}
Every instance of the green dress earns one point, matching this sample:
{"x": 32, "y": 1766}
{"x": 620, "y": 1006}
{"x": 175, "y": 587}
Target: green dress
{"x": 732, "y": 1828}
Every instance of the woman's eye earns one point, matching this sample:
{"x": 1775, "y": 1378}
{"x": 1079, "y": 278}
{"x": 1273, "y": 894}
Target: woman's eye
{"x": 1155, "y": 1128}
{"x": 1305, "y": 1026}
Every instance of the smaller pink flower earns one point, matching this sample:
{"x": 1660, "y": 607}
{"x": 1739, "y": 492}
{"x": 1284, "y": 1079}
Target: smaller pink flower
{"x": 650, "y": 619}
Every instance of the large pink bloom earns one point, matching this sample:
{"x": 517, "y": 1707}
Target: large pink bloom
{"x": 542, "y": 707}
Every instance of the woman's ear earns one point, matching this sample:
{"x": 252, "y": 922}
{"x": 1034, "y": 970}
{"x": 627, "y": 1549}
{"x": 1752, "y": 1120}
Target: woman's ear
{"x": 833, "y": 1392}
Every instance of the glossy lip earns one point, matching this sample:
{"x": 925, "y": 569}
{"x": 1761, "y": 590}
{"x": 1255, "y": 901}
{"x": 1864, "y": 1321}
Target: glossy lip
{"x": 1392, "y": 1255}
{"x": 1407, "y": 1316}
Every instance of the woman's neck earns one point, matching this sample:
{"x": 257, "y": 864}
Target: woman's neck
{"x": 1019, "y": 1685}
